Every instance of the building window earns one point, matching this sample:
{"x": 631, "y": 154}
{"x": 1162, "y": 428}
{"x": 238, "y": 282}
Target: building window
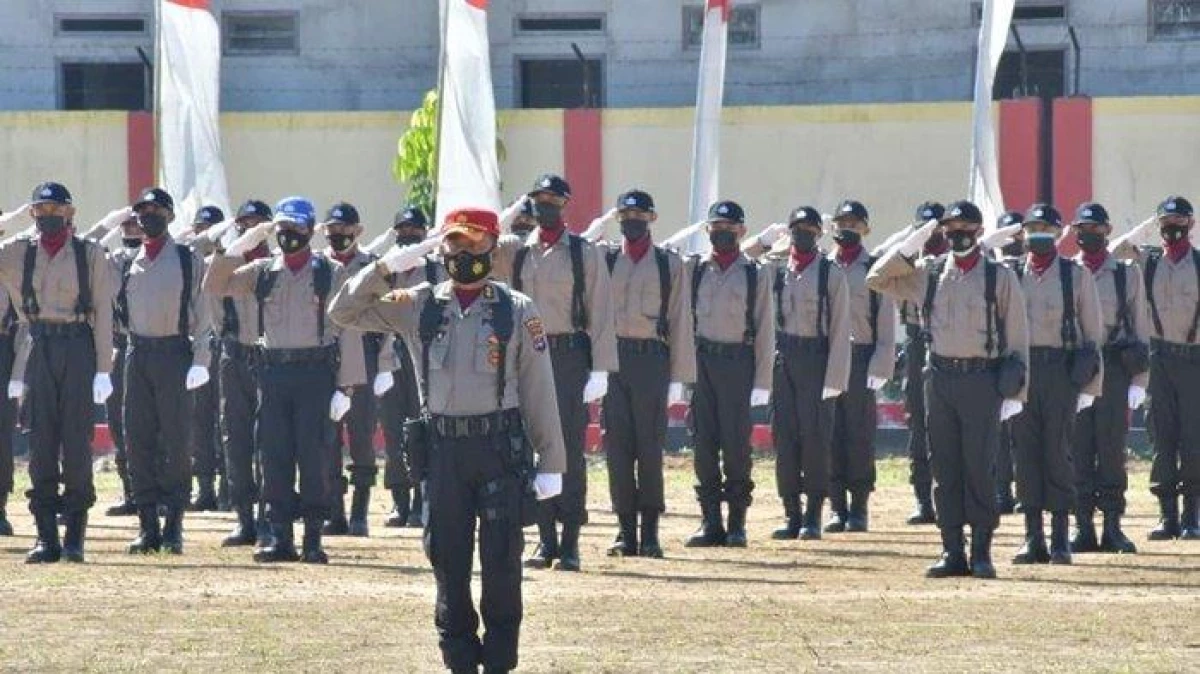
{"x": 246, "y": 33}
{"x": 1032, "y": 11}
{"x": 744, "y": 27}
{"x": 1175, "y": 19}
{"x": 1044, "y": 75}
{"x": 100, "y": 25}
{"x": 562, "y": 83}
{"x": 570, "y": 23}
{"x": 103, "y": 86}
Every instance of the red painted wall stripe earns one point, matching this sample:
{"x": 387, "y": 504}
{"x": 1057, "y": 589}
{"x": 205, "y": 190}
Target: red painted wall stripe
{"x": 1072, "y": 127}
{"x": 583, "y": 161}
{"x": 139, "y": 129}
{"x": 1020, "y": 152}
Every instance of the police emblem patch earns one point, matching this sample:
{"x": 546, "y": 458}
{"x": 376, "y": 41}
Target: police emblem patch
{"x": 537, "y": 333}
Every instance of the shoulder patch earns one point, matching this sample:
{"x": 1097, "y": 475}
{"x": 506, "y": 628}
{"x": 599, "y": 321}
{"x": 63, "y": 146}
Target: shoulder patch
{"x": 537, "y": 333}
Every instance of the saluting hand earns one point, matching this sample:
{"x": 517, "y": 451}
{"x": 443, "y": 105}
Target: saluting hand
{"x": 250, "y": 239}
{"x": 914, "y": 243}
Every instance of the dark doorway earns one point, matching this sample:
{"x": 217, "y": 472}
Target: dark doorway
{"x": 103, "y": 86}
{"x": 1045, "y": 74}
{"x": 562, "y": 83}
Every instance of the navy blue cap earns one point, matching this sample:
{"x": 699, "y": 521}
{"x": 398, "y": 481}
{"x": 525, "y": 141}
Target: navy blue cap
{"x": 1091, "y": 213}
{"x": 1044, "y": 213}
{"x": 155, "y": 195}
{"x": 930, "y": 210}
{"x": 411, "y": 215}
{"x": 1175, "y": 206}
{"x": 253, "y": 208}
{"x": 963, "y": 211}
{"x": 343, "y": 212}
{"x": 727, "y": 210}
{"x": 50, "y": 192}
{"x": 805, "y": 215}
{"x": 209, "y": 215}
{"x": 1011, "y": 218}
{"x": 553, "y": 184}
{"x": 852, "y": 209}
{"x": 638, "y": 199}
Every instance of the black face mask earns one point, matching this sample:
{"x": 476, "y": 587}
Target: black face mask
{"x": 132, "y": 242}
{"x": 804, "y": 241}
{"x": 50, "y": 224}
{"x": 522, "y": 229}
{"x": 633, "y": 229}
{"x": 291, "y": 241}
{"x": 548, "y": 216}
{"x": 340, "y": 242}
{"x": 1039, "y": 245}
{"x": 1091, "y": 242}
{"x": 409, "y": 239}
{"x": 153, "y": 224}
{"x": 723, "y": 240}
{"x": 466, "y": 267}
{"x": 961, "y": 241}
{"x": 1173, "y": 233}
{"x": 847, "y": 238}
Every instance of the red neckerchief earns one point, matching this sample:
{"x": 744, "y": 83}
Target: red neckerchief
{"x": 549, "y": 237}
{"x": 1095, "y": 260}
{"x": 258, "y": 253}
{"x": 800, "y": 261}
{"x": 54, "y": 242}
{"x": 636, "y": 250}
{"x": 1041, "y": 263}
{"x": 154, "y": 246}
{"x": 940, "y": 249}
{"x": 723, "y": 260}
{"x": 1178, "y": 249}
{"x": 345, "y": 257}
{"x": 296, "y": 261}
{"x": 967, "y": 262}
{"x": 467, "y": 296}
{"x": 848, "y": 254}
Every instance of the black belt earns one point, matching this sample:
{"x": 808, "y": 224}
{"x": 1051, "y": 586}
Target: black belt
{"x": 786, "y": 342}
{"x": 46, "y": 329}
{"x": 723, "y": 349}
{"x": 165, "y": 344}
{"x": 477, "y": 426}
{"x": 640, "y": 346}
{"x": 569, "y": 341}
{"x": 316, "y": 354}
{"x": 962, "y": 365}
{"x": 1047, "y": 354}
{"x": 1159, "y": 347}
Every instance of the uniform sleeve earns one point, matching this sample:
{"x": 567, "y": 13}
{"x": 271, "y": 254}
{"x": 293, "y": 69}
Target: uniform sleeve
{"x": 837, "y": 369}
{"x": 387, "y": 355}
{"x": 352, "y": 367}
{"x": 229, "y": 276}
{"x": 1011, "y": 301}
{"x": 683, "y": 336}
{"x": 536, "y": 393}
{"x": 1091, "y": 322}
{"x": 1127, "y": 251}
{"x": 883, "y": 360}
{"x": 764, "y": 339}
{"x": 11, "y": 265}
{"x": 103, "y": 291}
{"x": 896, "y": 276}
{"x": 502, "y": 257}
{"x": 202, "y": 316}
{"x": 1139, "y": 313}
{"x": 754, "y": 249}
{"x": 24, "y": 345}
{"x": 360, "y": 304}
{"x": 602, "y": 328}
{"x": 203, "y": 246}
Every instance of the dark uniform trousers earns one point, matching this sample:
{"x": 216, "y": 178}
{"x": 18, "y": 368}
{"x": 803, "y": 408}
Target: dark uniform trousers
{"x": 357, "y": 429}
{"x": 1042, "y": 435}
{"x": 401, "y": 402}
{"x": 1099, "y": 443}
{"x": 239, "y": 411}
{"x": 854, "y": 421}
{"x": 635, "y": 426}
{"x": 1004, "y": 460}
{"x": 572, "y": 365}
{"x": 802, "y": 422}
{"x": 156, "y": 419}
{"x": 914, "y": 408}
{"x": 962, "y": 414}
{"x": 469, "y": 481}
{"x": 721, "y": 416}
{"x": 60, "y": 373}
{"x": 293, "y": 434}
{"x": 1175, "y": 390}
{"x": 115, "y": 407}
{"x": 206, "y": 451}
{"x": 8, "y": 418}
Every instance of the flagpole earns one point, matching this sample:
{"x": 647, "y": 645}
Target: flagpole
{"x": 157, "y": 107}
{"x": 444, "y": 7}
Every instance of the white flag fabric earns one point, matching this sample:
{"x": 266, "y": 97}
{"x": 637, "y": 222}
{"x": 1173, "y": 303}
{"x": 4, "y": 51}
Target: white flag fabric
{"x": 189, "y": 89}
{"x": 984, "y": 187}
{"x": 706, "y": 139}
{"x": 468, "y": 172}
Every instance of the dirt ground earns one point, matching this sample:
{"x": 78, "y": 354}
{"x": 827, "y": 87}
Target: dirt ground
{"x": 851, "y": 602}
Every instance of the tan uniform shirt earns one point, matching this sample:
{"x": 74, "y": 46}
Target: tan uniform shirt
{"x": 1175, "y": 293}
{"x": 1136, "y": 308}
{"x": 959, "y": 321}
{"x": 720, "y": 306}
{"x": 637, "y": 303}
{"x": 153, "y": 293}
{"x": 463, "y": 360}
{"x": 56, "y": 286}
{"x": 290, "y": 313}
{"x": 883, "y": 333}
{"x": 801, "y": 305}
{"x": 1044, "y": 305}
{"x": 386, "y": 360}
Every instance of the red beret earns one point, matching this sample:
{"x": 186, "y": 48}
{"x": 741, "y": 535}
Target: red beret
{"x": 472, "y": 221}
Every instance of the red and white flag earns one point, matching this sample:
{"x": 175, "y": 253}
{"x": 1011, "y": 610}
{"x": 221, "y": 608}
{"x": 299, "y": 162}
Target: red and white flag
{"x": 189, "y": 88}
{"x": 468, "y": 172}
{"x": 706, "y": 138}
{"x": 984, "y": 187}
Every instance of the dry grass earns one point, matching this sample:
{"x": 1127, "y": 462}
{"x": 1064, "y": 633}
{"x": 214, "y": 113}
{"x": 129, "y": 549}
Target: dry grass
{"x": 848, "y": 603}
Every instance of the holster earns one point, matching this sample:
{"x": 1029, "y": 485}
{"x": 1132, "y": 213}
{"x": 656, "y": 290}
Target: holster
{"x": 418, "y": 439}
{"x": 1084, "y": 364}
{"x": 1134, "y": 356}
{"x": 519, "y": 458}
{"x": 1010, "y": 377}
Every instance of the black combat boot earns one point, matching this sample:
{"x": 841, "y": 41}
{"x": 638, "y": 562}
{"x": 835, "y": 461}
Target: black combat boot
{"x": 415, "y": 520}
{"x": 172, "y": 531}
{"x": 125, "y": 507}
{"x": 206, "y": 497}
{"x": 1168, "y": 524}
{"x": 47, "y": 549}
{"x": 923, "y": 513}
{"x": 358, "y": 511}
{"x": 568, "y": 558}
{"x": 1189, "y": 519}
{"x": 1034, "y": 550}
{"x": 282, "y": 547}
{"x": 1112, "y": 539}
{"x": 626, "y": 542}
{"x": 1060, "y": 537}
{"x": 981, "y": 553}
{"x": 811, "y": 529}
{"x": 735, "y": 536}
{"x": 650, "y": 547}
{"x": 953, "y": 562}
{"x": 792, "y": 521}
{"x": 711, "y": 532}
{"x": 858, "y": 520}
{"x": 149, "y": 538}
{"x": 262, "y": 527}
{"x": 313, "y": 554}
{"x": 244, "y": 532}
{"x": 337, "y": 524}
{"x": 1084, "y": 539}
{"x": 837, "y": 513}
{"x": 224, "y": 502}
{"x": 400, "y": 509}
{"x": 547, "y": 549}
{"x": 5, "y": 526}
{"x": 73, "y": 538}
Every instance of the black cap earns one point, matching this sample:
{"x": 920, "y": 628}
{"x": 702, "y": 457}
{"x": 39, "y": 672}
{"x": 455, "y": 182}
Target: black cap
{"x": 155, "y": 195}
{"x": 805, "y": 215}
{"x": 852, "y": 209}
{"x": 1044, "y": 213}
{"x": 1011, "y": 218}
{"x": 50, "y": 193}
{"x": 964, "y": 211}
{"x": 1174, "y": 205}
{"x": 930, "y": 210}
{"x": 1091, "y": 213}
{"x": 411, "y": 215}
{"x": 209, "y": 215}
{"x": 553, "y": 184}
{"x": 254, "y": 208}
{"x": 727, "y": 210}
{"x": 343, "y": 212}
{"x": 638, "y": 199}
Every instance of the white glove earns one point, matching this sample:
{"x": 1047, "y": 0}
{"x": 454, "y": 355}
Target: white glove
{"x": 197, "y": 376}
{"x": 876, "y": 383}
{"x": 509, "y": 214}
{"x": 999, "y": 238}
{"x": 596, "y": 229}
{"x": 16, "y": 389}
{"x": 547, "y": 485}
{"x": 1137, "y": 396}
{"x": 250, "y": 239}
{"x": 772, "y": 233}
{"x": 1140, "y": 235}
{"x": 1010, "y": 409}
{"x": 914, "y": 243}
{"x": 829, "y": 393}
{"x": 1085, "y": 401}
{"x": 214, "y": 233}
{"x": 9, "y": 217}
{"x": 381, "y": 243}
{"x": 674, "y": 393}
{"x": 384, "y": 381}
{"x": 676, "y": 240}
{"x": 759, "y": 397}
{"x": 101, "y": 388}
{"x": 339, "y": 405}
{"x": 399, "y": 260}
{"x": 892, "y": 241}
{"x": 597, "y": 386}
{"x": 115, "y": 217}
